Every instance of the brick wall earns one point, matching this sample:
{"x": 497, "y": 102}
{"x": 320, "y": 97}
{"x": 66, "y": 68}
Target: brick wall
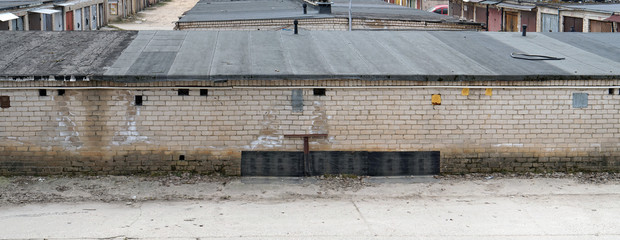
{"x": 517, "y": 126}
{"x": 325, "y": 24}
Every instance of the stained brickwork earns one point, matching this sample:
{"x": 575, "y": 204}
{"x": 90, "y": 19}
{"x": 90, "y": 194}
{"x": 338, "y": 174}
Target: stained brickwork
{"x": 520, "y": 126}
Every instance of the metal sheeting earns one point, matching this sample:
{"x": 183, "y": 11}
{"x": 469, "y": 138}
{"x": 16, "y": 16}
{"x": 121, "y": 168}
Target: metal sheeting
{"x": 290, "y": 164}
{"x": 45, "y": 11}
{"x": 613, "y": 18}
{"x": 7, "y": 17}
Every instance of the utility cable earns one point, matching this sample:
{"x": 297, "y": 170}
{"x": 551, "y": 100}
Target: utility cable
{"x": 526, "y": 56}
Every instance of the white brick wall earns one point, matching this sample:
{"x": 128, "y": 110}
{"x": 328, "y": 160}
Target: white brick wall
{"x": 105, "y": 129}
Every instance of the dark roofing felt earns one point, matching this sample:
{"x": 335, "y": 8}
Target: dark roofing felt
{"x": 219, "y": 10}
{"x": 403, "y": 55}
{"x": 12, "y": 4}
{"x": 36, "y": 53}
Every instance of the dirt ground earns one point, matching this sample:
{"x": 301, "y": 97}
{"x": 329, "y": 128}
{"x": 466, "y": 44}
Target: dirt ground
{"x": 29, "y": 189}
{"x": 482, "y": 207}
{"x": 159, "y": 17}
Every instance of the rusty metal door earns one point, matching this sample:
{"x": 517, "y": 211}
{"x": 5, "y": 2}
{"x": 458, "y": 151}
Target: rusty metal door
{"x": 455, "y": 9}
{"x": 34, "y": 21}
{"x": 495, "y": 20}
{"x": 512, "y": 22}
{"x": 481, "y": 15}
{"x": 600, "y": 26}
{"x": 529, "y": 19}
{"x": 573, "y": 24}
{"x": 69, "y": 17}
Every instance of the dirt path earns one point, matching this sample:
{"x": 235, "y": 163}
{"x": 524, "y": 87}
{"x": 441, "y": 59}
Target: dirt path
{"x": 485, "y": 207}
{"x": 160, "y": 17}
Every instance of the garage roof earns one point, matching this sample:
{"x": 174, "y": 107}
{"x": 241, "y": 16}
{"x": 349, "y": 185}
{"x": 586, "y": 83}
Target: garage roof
{"x": 312, "y": 55}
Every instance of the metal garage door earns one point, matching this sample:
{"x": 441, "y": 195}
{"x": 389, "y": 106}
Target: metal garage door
{"x": 549, "y": 23}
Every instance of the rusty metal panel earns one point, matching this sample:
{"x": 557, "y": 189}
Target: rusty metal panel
{"x": 5, "y": 102}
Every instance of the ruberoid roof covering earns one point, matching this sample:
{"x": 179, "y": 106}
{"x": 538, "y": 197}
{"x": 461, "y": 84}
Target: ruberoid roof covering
{"x": 226, "y": 10}
{"x": 37, "y": 53}
{"x": 312, "y": 55}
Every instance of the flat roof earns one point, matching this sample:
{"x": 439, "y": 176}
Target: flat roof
{"x": 311, "y": 55}
{"x": 226, "y": 10}
{"x": 13, "y": 4}
{"x": 46, "y": 53}
{"x": 606, "y": 8}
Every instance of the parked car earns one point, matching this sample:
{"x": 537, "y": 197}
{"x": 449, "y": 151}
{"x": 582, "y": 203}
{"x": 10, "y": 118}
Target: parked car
{"x": 441, "y": 9}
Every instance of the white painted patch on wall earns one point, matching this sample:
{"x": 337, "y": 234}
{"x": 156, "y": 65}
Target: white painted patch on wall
{"x": 508, "y": 145}
{"x": 267, "y": 142}
{"x": 68, "y": 134}
{"x": 130, "y": 134}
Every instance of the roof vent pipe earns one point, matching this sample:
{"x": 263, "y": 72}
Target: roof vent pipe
{"x": 524, "y": 30}
{"x": 295, "y": 23}
{"x": 305, "y": 6}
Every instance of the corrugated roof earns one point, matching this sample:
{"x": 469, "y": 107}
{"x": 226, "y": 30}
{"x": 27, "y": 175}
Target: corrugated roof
{"x": 317, "y": 55}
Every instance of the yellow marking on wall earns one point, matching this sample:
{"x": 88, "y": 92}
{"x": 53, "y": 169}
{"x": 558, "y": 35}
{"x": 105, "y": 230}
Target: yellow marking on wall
{"x": 465, "y": 92}
{"x": 489, "y": 92}
{"x": 436, "y": 99}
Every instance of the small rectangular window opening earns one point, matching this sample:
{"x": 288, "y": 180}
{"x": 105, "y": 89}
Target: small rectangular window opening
{"x": 611, "y": 91}
{"x": 5, "y": 102}
{"x": 183, "y": 92}
{"x": 138, "y": 100}
{"x": 181, "y": 157}
{"x": 42, "y": 92}
{"x": 61, "y": 92}
{"x": 204, "y": 92}
{"x": 319, "y": 91}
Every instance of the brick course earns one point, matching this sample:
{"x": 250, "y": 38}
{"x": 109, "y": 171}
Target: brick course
{"x": 102, "y": 131}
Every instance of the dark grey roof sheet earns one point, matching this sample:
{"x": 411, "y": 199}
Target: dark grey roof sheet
{"x": 318, "y": 55}
{"x": 12, "y": 4}
{"x": 607, "y": 8}
{"x": 210, "y": 10}
{"x": 36, "y": 53}
{"x": 218, "y": 10}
